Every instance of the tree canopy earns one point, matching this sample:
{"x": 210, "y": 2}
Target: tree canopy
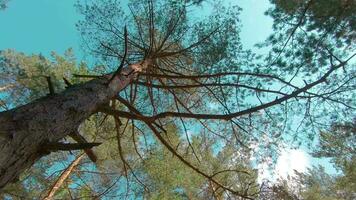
{"x": 180, "y": 108}
{"x": 3, "y": 4}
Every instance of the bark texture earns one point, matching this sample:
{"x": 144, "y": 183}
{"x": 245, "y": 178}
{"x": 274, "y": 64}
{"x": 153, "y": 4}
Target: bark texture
{"x": 25, "y": 129}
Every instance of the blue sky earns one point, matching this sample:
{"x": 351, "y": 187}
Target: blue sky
{"x": 39, "y": 26}
{"x": 42, "y": 26}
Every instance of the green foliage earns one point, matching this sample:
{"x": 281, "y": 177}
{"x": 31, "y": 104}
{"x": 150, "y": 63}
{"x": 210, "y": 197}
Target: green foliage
{"x": 307, "y": 31}
{"x": 337, "y": 144}
{"x": 171, "y": 179}
{"x": 316, "y": 184}
{"x": 24, "y": 77}
{"x": 35, "y": 182}
{"x": 3, "y": 4}
{"x": 335, "y": 18}
{"x": 178, "y": 44}
{"x": 309, "y": 38}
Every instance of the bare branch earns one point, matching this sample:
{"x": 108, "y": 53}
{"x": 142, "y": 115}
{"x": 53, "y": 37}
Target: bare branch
{"x": 81, "y": 140}
{"x": 65, "y": 174}
{"x": 231, "y": 115}
{"x": 59, "y": 146}
{"x": 50, "y": 85}
{"x": 118, "y": 70}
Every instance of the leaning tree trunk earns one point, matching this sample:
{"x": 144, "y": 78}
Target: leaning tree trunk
{"x": 26, "y": 129}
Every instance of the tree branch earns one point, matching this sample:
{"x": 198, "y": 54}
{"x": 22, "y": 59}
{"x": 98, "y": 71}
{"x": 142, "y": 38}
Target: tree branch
{"x": 81, "y": 140}
{"x": 59, "y": 146}
{"x": 230, "y": 115}
{"x": 118, "y": 70}
{"x": 65, "y": 174}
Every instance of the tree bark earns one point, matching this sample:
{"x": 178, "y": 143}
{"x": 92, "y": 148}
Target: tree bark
{"x": 25, "y": 129}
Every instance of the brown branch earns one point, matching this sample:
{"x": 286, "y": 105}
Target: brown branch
{"x": 81, "y": 140}
{"x": 139, "y": 27}
{"x": 119, "y": 147}
{"x": 182, "y": 76}
{"x": 6, "y": 87}
{"x": 171, "y": 27}
{"x": 87, "y": 76}
{"x": 167, "y": 54}
{"x": 151, "y": 27}
{"x": 230, "y": 170}
{"x": 66, "y": 81}
{"x": 300, "y": 21}
{"x": 59, "y": 146}
{"x": 50, "y": 85}
{"x": 214, "y": 192}
{"x": 65, "y": 174}
{"x": 123, "y": 58}
{"x": 121, "y": 153}
{"x": 206, "y": 85}
{"x": 134, "y": 140}
{"x": 230, "y": 115}
{"x": 173, "y": 151}
{"x": 137, "y": 115}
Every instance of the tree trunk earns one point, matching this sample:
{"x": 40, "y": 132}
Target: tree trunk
{"x": 23, "y": 130}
